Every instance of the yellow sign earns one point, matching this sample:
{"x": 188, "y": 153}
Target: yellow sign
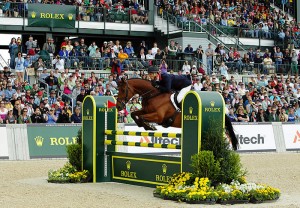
{"x": 164, "y": 168}
{"x": 39, "y": 141}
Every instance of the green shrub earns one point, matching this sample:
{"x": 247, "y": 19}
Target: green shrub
{"x": 230, "y": 165}
{"x": 205, "y": 166}
{"x": 74, "y": 152}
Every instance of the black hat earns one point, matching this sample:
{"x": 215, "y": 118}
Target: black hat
{"x": 153, "y": 69}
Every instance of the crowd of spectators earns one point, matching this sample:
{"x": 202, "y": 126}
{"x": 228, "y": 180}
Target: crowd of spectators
{"x": 248, "y": 18}
{"x": 28, "y": 100}
{"x": 88, "y": 10}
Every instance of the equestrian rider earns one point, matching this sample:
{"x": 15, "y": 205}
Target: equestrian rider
{"x": 168, "y": 82}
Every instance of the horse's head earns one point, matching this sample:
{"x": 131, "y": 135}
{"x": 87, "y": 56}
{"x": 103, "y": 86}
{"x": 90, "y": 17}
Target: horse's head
{"x": 125, "y": 93}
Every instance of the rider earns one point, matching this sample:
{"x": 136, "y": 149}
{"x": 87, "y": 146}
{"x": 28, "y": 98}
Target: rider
{"x": 168, "y": 82}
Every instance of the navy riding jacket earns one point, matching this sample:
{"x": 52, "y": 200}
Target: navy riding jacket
{"x": 169, "y": 82}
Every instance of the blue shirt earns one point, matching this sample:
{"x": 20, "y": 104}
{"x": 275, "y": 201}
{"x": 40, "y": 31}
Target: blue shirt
{"x": 9, "y": 93}
{"x": 75, "y": 118}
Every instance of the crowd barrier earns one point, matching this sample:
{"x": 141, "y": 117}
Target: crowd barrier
{"x": 24, "y": 142}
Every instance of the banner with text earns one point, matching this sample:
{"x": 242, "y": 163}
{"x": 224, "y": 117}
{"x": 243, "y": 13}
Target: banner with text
{"x": 51, "y": 140}
{"x": 3, "y": 143}
{"x": 291, "y": 133}
{"x": 149, "y": 139}
{"x": 255, "y": 137}
{"x": 51, "y": 15}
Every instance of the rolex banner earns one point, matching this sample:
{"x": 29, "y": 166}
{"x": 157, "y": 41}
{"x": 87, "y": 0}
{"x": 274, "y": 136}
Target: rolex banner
{"x": 51, "y": 140}
{"x": 51, "y": 15}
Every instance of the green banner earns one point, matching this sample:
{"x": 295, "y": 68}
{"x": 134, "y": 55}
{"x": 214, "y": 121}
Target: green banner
{"x": 143, "y": 169}
{"x": 51, "y": 15}
{"x": 51, "y": 140}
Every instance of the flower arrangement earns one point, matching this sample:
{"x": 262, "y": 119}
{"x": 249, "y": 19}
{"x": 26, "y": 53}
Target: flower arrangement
{"x": 186, "y": 187}
{"x": 67, "y": 174}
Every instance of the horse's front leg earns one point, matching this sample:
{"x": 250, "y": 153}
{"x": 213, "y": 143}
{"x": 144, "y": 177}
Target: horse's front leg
{"x": 135, "y": 115}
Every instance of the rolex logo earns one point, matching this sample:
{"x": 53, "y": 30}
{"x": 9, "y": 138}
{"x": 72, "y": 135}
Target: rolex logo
{"x": 87, "y": 111}
{"x": 33, "y": 14}
{"x": 190, "y": 110}
{"x": 39, "y": 141}
{"x": 128, "y": 165}
{"x": 164, "y": 168}
{"x": 212, "y": 103}
{"x": 70, "y": 16}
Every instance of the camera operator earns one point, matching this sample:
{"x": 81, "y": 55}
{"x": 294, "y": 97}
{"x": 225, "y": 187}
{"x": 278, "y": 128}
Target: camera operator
{"x": 58, "y": 63}
{"x": 37, "y": 116}
{"x": 63, "y": 117}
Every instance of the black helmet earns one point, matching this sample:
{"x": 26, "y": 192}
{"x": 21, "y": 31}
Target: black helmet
{"x": 153, "y": 69}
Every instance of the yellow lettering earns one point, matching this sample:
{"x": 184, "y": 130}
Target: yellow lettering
{"x": 61, "y": 141}
{"x": 105, "y": 110}
{"x": 162, "y": 178}
{"x": 53, "y": 141}
{"x": 87, "y": 117}
{"x": 74, "y": 140}
{"x": 190, "y": 117}
{"x": 128, "y": 174}
{"x": 51, "y": 16}
{"x": 212, "y": 110}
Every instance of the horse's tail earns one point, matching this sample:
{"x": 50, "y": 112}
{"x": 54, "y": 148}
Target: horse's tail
{"x": 229, "y": 127}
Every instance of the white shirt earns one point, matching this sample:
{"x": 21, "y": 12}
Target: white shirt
{"x": 59, "y": 63}
{"x": 154, "y": 51}
{"x": 186, "y": 69}
{"x": 198, "y": 86}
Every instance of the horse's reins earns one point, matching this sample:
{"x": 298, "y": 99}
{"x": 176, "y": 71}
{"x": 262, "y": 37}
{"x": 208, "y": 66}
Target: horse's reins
{"x": 141, "y": 95}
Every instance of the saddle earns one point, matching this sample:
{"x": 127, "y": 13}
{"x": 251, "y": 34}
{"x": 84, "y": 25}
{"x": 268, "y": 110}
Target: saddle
{"x": 177, "y": 97}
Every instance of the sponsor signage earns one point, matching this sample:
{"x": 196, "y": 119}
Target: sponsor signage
{"x": 51, "y": 15}
{"x": 255, "y": 137}
{"x": 291, "y": 133}
{"x": 51, "y": 140}
{"x": 149, "y": 139}
{"x": 144, "y": 170}
{"x": 3, "y": 143}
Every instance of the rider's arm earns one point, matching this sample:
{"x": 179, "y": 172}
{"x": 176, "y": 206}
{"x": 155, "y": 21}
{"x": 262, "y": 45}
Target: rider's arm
{"x": 165, "y": 83}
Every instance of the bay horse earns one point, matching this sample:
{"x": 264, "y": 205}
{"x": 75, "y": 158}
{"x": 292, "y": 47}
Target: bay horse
{"x": 156, "y": 106}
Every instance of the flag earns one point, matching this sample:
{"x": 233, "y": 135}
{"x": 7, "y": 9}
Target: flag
{"x": 110, "y": 104}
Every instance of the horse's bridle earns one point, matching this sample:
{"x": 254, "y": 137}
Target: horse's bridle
{"x": 141, "y": 94}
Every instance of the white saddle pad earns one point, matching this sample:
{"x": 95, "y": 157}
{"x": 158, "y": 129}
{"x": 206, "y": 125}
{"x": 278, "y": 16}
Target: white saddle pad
{"x": 180, "y": 96}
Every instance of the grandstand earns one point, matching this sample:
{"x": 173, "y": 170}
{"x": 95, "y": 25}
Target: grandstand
{"x": 52, "y": 56}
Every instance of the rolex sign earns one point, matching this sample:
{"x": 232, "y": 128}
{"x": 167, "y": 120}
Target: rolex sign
{"x": 50, "y": 15}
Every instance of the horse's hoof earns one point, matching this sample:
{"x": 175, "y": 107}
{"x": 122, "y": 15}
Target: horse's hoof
{"x": 153, "y": 128}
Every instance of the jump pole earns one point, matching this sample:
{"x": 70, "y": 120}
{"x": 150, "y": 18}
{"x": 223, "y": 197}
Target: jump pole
{"x": 99, "y": 138}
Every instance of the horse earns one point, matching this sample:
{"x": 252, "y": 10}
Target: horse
{"x": 156, "y": 106}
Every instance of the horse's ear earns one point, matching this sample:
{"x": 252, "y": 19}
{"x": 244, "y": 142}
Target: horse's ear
{"x": 124, "y": 79}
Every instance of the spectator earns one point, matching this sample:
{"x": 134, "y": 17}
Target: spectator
{"x": 199, "y": 54}
{"x": 80, "y": 97}
{"x": 186, "y": 68}
{"x": 49, "y": 47}
{"x": 64, "y": 55}
{"x": 63, "y": 117}
{"x": 209, "y": 59}
{"x": 37, "y": 117}
{"x": 51, "y": 117}
{"x": 188, "y": 49}
{"x": 273, "y": 117}
{"x": 13, "y": 47}
{"x": 9, "y": 91}
{"x": 24, "y": 118}
{"x": 59, "y": 63}
{"x": 19, "y": 67}
{"x": 52, "y": 81}
{"x": 10, "y": 118}
{"x": 29, "y": 44}
{"x": 39, "y": 66}
{"x": 241, "y": 116}
{"x": 76, "y": 117}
